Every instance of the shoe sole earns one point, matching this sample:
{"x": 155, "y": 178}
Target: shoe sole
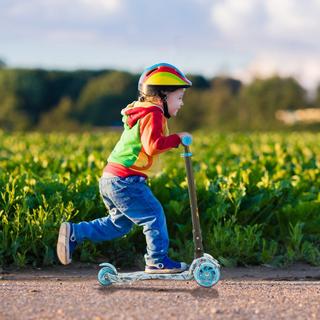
{"x": 167, "y": 271}
{"x": 164, "y": 271}
{"x": 63, "y": 243}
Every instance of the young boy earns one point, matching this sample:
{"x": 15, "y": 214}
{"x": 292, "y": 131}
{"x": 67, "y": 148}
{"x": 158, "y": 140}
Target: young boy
{"x": 123, "y": 186}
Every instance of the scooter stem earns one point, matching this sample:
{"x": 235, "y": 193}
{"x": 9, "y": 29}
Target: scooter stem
{"x": 196, "y": 229}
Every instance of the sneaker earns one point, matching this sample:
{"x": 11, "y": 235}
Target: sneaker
{"x": 66, "y": 243}
{"x": 166, "y": 266}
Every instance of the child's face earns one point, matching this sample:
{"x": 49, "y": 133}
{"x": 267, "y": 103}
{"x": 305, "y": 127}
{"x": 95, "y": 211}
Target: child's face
{"x": 175, "y": 101}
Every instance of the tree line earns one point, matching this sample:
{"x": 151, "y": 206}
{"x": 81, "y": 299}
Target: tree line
{"x": 48, "y": 100}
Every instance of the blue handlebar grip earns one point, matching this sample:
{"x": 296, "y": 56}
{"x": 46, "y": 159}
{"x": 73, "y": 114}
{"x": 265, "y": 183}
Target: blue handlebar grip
{"x": 186, "y": 140}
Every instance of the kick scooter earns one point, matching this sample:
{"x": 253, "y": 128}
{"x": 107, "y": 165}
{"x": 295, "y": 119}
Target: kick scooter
{"x": 205, "y": 270}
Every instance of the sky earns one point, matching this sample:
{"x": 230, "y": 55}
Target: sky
{"x": 239, "y": 38}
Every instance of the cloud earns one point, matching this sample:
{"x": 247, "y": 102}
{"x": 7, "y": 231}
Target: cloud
{"x": 59, "y": 9}
{"x": 268, "y": 21}
{"x": 138, "y": 23}
{"x": 236, "y": 18}
{"x": 292, "y": 18}
{"x": 306, "y": 71}
{"x": 41, "y": 18}
{"x": 108, "y": 6}
{"x": 85, "y": 21}
{"x": 280, "y": 36}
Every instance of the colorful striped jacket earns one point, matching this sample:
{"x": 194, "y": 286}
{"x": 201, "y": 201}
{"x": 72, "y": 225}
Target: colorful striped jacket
{"x": 145, "y": 136}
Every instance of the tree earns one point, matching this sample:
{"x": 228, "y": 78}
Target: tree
{"x": 212, "y": 106}
{"x": 317, "y": 97}
{"x": 59, "y": 118}
{"x": 27, "y": 94}
{"x": 67, "y": 84}
{"x": 28, "y": 89}
{"x": 102, "y": 99}
{"x": 222, "y": 112}
{"x": 2, "y": 63}
{"x": 191, "y": 115}
{"x": 11, "y": 118}
{"x": 199, "y": 82}
{"x": 262, "y": 97}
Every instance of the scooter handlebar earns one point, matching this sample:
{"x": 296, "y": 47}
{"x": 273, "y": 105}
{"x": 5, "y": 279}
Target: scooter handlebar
{"x": 186, "y": 140}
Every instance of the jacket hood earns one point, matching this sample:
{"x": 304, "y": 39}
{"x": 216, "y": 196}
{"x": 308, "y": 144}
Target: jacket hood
{"x": 137, "y": 110}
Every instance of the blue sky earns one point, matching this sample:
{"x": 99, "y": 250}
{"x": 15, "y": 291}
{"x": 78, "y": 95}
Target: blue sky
{"x": 241, "y": 38}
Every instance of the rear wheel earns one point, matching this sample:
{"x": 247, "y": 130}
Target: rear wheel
{"x": 103, "y": 277}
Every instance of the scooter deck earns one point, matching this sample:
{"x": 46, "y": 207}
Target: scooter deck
{"x": 141, "y": 275}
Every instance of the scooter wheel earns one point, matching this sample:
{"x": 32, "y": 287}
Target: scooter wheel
{"x": 206, "y": 274}
{"x": 103, "y": 276}
{"x": 211, "y": 259}
{"x": 109, "y": 265}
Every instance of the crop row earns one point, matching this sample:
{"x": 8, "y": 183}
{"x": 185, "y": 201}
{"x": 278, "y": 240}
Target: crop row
{"x": 258, "y": 197}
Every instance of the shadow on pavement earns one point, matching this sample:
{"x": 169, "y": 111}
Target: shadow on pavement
{"x": 199, "y": 292}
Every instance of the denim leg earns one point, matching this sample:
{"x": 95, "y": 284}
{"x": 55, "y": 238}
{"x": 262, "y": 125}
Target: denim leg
{"x": 134, "y": 199}
{"x": 115, "y": 225}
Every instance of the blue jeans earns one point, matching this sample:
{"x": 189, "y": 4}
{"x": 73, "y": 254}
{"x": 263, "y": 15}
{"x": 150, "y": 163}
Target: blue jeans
{"x": 129, "y": 201}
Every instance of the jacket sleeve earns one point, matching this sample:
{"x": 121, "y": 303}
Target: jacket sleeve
{"x": 152, "y": 134}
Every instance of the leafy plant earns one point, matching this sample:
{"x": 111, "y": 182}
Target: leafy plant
{"x": 258, "y": 197}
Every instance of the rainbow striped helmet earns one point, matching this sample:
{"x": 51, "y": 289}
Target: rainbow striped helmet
{"x": 162, "y": 76}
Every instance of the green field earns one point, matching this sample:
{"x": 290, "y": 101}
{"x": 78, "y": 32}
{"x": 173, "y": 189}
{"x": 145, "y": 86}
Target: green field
{"x": 258, "y": 197}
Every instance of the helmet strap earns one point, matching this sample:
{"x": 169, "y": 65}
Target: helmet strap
{"x": 165, "y": 109}
{"x": 165, "y": 105}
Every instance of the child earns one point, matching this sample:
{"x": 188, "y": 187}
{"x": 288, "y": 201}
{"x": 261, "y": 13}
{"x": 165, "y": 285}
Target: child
{"x": 123, "y": 185}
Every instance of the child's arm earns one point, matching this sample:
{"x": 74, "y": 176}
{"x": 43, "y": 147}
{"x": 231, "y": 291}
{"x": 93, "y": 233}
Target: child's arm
{"x": 152, "y": 134}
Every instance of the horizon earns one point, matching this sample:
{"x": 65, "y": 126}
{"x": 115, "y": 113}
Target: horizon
{"x": 310, "y": 94}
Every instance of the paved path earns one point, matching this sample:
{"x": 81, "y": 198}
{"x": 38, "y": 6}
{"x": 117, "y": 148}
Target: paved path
{"x": 244, "y": 293}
